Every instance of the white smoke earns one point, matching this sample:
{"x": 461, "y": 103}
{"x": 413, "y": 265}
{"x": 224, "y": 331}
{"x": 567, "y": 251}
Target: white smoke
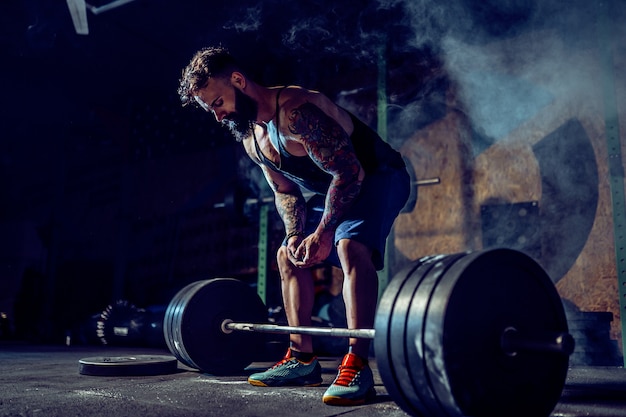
{"x": 511, "y": 59}
{"x": 249, "y": 20}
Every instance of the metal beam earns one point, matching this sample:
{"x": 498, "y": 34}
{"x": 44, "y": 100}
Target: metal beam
{"x": 616, "y": 166}
{"x": 263, "y": 248}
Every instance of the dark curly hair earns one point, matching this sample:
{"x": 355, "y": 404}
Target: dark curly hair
{"x": 210, "y": 62}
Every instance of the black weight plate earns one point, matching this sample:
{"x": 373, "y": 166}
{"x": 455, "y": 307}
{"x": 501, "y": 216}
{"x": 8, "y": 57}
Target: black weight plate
{"x": 171, "y": 323}
{"x": 383, "y": 340}
{"x": 476, "y": 299}
{"x": 122, "y": 324}
{"x": 195, "y": 321}
{"x": 137, "y": 365}
{"x": 414, "y": 346}
{"x": 401, "y": 324}
{"x": 168, "y": 327}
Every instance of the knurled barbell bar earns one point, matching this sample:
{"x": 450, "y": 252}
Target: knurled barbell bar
{"x": 471, "y": 334}
{"x": 235, "y": 201}
{"x": 511, "y": 340}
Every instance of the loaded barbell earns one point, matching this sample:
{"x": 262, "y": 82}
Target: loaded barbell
{"x": 471, "y": 334}
{"x": 511, "y": 341}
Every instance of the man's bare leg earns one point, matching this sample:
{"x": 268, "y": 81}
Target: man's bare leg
{"x": 360, "y": 290}
{"x": 298, "y": 296}
{"x": 300, "y": 367}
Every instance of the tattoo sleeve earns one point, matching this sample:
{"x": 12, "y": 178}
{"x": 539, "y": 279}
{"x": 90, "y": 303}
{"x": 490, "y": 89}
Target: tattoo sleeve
{"x": 290, "y": 205}
{"x": 292, "y": 210}
{"x": 329, "y": 146}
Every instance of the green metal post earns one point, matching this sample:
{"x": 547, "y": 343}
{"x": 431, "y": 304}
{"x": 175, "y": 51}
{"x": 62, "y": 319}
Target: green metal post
{"x": 262, "y": 251}
{"x": 381, "y": 105}
{"x": 616, "y": 167}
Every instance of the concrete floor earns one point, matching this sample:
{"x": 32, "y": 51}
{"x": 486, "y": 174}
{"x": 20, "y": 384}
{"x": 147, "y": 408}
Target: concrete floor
{"x": 45, "y": 381}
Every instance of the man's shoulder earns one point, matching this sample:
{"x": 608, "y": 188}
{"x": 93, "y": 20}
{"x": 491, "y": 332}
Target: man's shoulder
{"x": 295, "y": 96}
{"x": 301, "y": 101}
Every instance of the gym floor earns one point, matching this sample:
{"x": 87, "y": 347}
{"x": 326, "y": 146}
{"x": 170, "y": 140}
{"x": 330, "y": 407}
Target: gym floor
{"x": 45, "y": 381}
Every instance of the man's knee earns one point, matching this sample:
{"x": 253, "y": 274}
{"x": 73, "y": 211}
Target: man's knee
{"x": 282, "y": 256}
{"x": 353, "y": 251}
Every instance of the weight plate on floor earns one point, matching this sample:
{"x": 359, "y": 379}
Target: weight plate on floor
{"x": 439, "y": 335}
{"x": 136, "y": 365}
{"x": 477, "y": 298}
{"x": 193, "y": 320}
{"x": 384, "y": 340}
{"x": 171, "y": 324}
{"x": 417, "y": 376}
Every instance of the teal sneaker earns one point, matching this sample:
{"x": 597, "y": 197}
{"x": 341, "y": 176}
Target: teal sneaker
{"x": 354, "y": 384}
{"x": 289, "y": 372}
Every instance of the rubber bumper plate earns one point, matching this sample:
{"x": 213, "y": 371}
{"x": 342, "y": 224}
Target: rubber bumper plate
{"x": 137, "y": 365}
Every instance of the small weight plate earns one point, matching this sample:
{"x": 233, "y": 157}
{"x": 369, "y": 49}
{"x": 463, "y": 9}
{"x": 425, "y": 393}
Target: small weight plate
{"x": 137, "y": 365}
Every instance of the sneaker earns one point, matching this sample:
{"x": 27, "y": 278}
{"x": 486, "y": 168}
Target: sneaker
{"x": 354, "y": 384}
{"x": 289, "y": 372}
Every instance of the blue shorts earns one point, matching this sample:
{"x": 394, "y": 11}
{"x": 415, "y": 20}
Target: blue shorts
{"x": 384, "y": 193}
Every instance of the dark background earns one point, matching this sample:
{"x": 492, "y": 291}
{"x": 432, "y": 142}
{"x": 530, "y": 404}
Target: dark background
{"x": 108, "y": 186}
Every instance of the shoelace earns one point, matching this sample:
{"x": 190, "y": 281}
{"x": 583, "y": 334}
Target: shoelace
{"x": 346, "y": 375}
{"x": 282, "y": 362}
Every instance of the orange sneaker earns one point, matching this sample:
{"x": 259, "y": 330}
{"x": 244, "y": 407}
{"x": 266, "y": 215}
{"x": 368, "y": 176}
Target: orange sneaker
{"x": 354, "y": 384}
{"x": 289, "y": 372}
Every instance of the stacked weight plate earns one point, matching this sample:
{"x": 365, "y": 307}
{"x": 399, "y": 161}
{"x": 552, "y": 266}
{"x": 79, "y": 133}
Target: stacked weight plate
{"x": 193, "y": 320}
{"x": 439, "y": 335}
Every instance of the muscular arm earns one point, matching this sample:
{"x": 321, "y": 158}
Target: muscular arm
{"x": 329, "y": 146}
{"x": 290, "y": 203}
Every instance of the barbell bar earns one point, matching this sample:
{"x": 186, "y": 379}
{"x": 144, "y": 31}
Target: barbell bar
{"x": 512, "y": 342}
{"x": 427, "y": 181}
{"x": 228, "y": 326}
{"x": 471, "y": 334}
{"x": 230, "y": 202}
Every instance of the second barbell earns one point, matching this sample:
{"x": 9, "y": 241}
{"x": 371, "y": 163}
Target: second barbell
{"x": 237, "y": 201}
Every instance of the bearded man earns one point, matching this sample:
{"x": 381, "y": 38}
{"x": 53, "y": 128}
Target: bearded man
{"x": 302, "y": 140}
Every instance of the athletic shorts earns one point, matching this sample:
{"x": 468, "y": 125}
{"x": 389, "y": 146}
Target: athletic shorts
{"x": 383, "y": 194}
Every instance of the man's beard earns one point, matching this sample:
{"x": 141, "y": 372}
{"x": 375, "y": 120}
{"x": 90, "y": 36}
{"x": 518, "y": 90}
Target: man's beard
{"x": 241, "y": 121}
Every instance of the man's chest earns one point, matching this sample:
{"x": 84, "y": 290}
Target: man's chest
{"x": 260, "y": 148}
{"x": 267, "y": 144}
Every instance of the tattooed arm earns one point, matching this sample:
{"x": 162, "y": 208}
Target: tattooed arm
{"x": 290, "y": 203}
{"x": 328, "y": 144}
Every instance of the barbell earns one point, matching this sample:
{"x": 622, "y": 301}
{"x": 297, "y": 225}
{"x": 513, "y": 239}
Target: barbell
{"x": 471, "y": 334}
{"x": 511, "y": 341}
{"x": 237, "y": 199}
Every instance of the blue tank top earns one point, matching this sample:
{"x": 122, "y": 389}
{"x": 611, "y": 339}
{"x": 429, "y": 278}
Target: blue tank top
{"x": 371, "y": 151}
